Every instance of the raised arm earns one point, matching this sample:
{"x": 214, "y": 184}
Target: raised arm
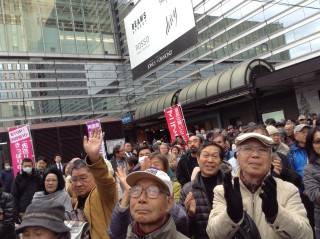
{"x": 92, "y": 145}
{"x": 105, "y": 182}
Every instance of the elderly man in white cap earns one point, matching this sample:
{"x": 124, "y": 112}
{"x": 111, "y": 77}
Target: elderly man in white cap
{"x": 151, "y": 199}
{"x": 278, "y": 146}
{"x": 274, "y": 205}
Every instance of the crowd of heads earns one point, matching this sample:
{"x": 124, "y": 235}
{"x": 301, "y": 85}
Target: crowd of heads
{"x": 151, "y": 193}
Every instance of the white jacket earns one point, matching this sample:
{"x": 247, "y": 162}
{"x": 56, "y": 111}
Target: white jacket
{"x": 291, "y": 221}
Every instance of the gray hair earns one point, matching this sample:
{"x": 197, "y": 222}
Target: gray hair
{"x": 78, "y": 164}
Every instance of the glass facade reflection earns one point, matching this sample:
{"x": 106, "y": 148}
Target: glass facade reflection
{"x": 48, "y": 26}
{"x": 68, "y": 59}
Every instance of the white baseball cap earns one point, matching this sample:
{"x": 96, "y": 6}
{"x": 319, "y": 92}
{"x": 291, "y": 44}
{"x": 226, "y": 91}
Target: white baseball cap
{"x": 267, "y": 141}
{"x": 151, "y": 173}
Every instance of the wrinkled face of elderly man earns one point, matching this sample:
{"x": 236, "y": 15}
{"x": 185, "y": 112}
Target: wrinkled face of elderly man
{"x": 254, "y": 159}
{"x": 149, "y": 204}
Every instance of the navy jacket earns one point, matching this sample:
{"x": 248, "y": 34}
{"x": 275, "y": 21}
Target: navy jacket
{"x": 6, "y": 179}
{"x": 23, "y": 188}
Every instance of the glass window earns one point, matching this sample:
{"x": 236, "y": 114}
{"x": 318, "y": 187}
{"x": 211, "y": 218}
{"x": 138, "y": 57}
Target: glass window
{"x": 300, "y": 50}
{"x": 79, "y": 27}
{"x": 49, "y": 27}
{"x": 32, "y": 26}
{"x": 66, "y": 28}
{"x": 315, "y": 44}
{"x": 4, "y": 95}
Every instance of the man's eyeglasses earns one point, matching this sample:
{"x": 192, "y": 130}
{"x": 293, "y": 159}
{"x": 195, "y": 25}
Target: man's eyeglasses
{"x": 249, "y": 149}
{"x": 81, "y": 179}
{"x": 151, "y": 191}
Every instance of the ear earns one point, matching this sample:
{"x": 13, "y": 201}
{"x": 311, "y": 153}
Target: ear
{"x": 170, "y": 201}
{"x": 236, "y": 155}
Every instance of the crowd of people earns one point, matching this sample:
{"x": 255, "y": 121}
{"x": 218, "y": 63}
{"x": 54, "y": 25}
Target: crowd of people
{"x": 250, "y": 181}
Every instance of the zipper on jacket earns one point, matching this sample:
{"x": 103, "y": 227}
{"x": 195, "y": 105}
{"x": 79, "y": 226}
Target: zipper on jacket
{"x": 252, "y": 200}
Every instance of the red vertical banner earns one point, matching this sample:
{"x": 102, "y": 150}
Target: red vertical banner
{"x": 20, "y": 146}
{"x": 176, "y": 122}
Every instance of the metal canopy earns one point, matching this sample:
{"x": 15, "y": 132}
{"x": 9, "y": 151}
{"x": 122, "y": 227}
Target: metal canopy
{"x": 155, "y": 106}
{"x": 225, "y": 81}
{"x": 222, "y": 82}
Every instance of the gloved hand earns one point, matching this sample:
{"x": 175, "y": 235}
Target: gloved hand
{"x": 269, "y": 198}
{"x": 233, "y": 198}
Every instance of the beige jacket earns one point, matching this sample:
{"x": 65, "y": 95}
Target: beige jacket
{"x": 291, "y": 221}
{"x": 101, "y": 200}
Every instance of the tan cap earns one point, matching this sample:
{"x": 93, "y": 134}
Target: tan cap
{"x": 272, "y": 130}
{"x": 299, "y": 127}
{"x": 302, "y": 117}
{"x": 262, "y": 138}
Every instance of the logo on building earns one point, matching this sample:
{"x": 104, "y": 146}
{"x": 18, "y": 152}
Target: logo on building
{"x": 139, "y": 22}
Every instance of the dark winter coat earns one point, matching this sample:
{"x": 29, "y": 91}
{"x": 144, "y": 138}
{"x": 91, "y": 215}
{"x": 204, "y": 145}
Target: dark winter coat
{"x": 185, "y": 167}
{"x": 198, "y": 223}
{"x": 6, "y": 178}
{"x": 7, "y": 224}
{"x": 288, "y": 173}
{"x": 23, "y": 188}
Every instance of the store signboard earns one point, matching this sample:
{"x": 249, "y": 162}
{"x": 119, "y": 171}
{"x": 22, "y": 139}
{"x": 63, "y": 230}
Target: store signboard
{"x": 127, "y": 119}
{"x": 157, "y": 31}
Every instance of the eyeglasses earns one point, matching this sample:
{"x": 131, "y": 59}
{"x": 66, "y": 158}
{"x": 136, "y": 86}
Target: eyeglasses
{"x": 316, "y": 141}
{"x": 51, "y": 180}
{"x": 151, "y": 191}
{"x": 248, "y": 149}
{"x": 81, "y": 179}
{"x": 303, "y": 132}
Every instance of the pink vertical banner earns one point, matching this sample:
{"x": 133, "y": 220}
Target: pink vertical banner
{"x": 176, "y": 123}
{"x": 96, "y": 124}
{"x": 20, "y": 146}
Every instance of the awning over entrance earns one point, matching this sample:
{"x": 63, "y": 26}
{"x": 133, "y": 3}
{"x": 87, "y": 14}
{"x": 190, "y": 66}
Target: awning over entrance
{"x": 156, "y": 106}
{"x": 223, "y": 82}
